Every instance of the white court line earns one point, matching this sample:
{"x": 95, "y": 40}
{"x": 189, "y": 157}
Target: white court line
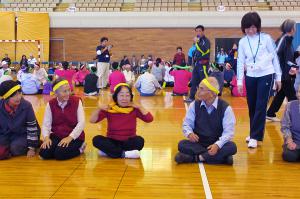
{"x": 205, "y": 183}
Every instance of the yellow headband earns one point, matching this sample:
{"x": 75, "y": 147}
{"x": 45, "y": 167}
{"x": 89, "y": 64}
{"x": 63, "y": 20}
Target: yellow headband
{"x": 59, "y": 84}
{"x": 120, "y": 84}
{"x": 209, "y": 86}
{"x": 11, "y": 91}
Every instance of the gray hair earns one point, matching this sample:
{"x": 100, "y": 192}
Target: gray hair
{"x": 287, "y": 26}
{"x": 214, "y": 82}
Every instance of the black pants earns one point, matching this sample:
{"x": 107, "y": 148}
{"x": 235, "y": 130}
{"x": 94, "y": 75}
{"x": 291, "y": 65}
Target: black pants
{"x": 288, "y": 91}
{"x": 61, "y": 153}
{"x": 198, "y": 75}
{"x": 196, "y": 148}
{"x": 115, "y": 148}
{"x": 258, "y": 93}
{"x": 289, "y": 155}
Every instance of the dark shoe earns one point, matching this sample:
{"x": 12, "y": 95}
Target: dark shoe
{"x": 188, "y": 100}
{"x": 229, "y": 160}
{"x": 184, "y": 158}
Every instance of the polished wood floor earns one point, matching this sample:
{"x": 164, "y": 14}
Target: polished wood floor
{"x": 259, "y": 173}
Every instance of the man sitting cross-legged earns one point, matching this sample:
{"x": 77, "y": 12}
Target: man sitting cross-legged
{"x": 209, "y": 127}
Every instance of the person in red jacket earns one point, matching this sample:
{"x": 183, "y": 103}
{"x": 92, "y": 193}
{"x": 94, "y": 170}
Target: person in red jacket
{"x": 122, "y": 140}
{"x": 63, "y": 124}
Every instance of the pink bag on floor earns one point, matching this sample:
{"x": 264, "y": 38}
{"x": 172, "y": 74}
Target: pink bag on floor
{"x": 234, "y": 90}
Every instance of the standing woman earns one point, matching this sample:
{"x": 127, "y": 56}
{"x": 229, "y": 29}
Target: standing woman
{"x": 257, "y": 55}
{"x": 285, "y": 52}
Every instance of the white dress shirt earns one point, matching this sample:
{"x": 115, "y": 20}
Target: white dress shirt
{"x": 47, "y": 123}
{"x": 147, "y": 83}
{"x": 262, "y": 60}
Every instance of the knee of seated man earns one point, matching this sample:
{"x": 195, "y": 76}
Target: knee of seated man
{"x": 18, "y": 149}
{"x": 233, "y": 147}
{"x": 183, "y": 144}
{"x": 289, "y": 156}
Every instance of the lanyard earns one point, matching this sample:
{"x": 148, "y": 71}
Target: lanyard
{"x": 201, "y": 51}
{"x": 254, "y": 56}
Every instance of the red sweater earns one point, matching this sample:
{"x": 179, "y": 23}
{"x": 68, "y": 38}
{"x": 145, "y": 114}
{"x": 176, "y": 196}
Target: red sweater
{"x": 122, "y": 126}
{"x": 64, "y": 121}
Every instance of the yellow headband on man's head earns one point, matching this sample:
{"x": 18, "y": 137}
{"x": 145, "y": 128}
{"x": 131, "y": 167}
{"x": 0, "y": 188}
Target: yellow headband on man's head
{"x": 59, "y": 84}
{"x": 210, "y": 87}
{"x": 120, "y": 84}
{"x": 11, "y": 91}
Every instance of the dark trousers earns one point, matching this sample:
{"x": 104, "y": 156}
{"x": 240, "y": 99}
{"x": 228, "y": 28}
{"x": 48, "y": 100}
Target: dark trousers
{"x": 290, "y": 155}
{"x": 196, "y": 148}
{"x": 258, "y": 93}
{"x": 287, "y": 90}
{"x": 115, "y": 148}
{"x": 197, "y": 76}
{"x": 61, "y": 153}
{"x": 190, "y": 61}
{"x": 15, "y": 145}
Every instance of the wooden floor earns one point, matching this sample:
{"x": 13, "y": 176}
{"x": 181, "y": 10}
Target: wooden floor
{"x": 255, "y": 174}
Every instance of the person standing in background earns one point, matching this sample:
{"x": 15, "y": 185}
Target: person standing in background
{"x": 103, "y": 56}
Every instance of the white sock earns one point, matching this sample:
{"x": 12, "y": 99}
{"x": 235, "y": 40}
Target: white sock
{"x": 82, "y": 148}
{"x": 134, "y": 154}
{"x": 101, "y": 153}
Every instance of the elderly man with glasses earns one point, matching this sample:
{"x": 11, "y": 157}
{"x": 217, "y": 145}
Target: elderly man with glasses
{"x": 208, "y": 127}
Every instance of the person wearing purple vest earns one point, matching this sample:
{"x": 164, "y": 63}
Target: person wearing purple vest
{"x": 19, "y": 129}
{"x": 209, "y": 127}
{"x": 63, "y": 124}
{"x": 290, "y": 128}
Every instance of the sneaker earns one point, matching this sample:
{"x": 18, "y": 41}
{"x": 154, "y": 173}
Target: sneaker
{"x": 188, "y": 100}
{"x": 273, "y": 119}
{"x": 101, "y": 153}
{"x": 134, "y": 154}
{"x": 229, "y": 160}
{"x": 183, "y": 158}
{"x": 252, "y": 143}
{"x": 248, "y": 139}
{"x": 82, "y": 148}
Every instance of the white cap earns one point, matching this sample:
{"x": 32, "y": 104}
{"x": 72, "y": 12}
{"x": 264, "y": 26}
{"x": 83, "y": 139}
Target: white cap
{"x": 3, "y": 63}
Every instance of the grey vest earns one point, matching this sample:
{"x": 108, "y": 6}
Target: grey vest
{"x": 209, "y": 127}
{"x": 295, "y": 121}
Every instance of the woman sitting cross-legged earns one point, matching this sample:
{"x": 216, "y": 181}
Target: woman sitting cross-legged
{"x": 121, "y": 140}
{"x": 63, "y": 124}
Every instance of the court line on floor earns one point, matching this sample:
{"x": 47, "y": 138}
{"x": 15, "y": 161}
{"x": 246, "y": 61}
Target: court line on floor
{"x": 205, "y": 183}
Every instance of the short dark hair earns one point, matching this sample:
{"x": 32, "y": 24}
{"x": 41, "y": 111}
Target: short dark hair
{"x": 65, "y": 65}
{"x": 115, "y": 65}
{"x": 94, "y": 69}
{"x": 158, "y": 61}
{"x": 103, "y": 39}
{"x": 115, "y": 95}
{"x": 251, "y": 19}
{"x": 200, "y": 27}
{"x": 179, "y": 48}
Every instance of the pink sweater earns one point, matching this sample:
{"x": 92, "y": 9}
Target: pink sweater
{"x": 115, "y": 78}
{"x": 122, "y": 126}
{"x": 181, "y": 81}
{"x": 80, "y": 76}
